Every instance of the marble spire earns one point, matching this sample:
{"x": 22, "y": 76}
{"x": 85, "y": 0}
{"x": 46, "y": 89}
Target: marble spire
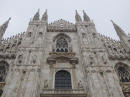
{"x": 45, "y": 16}
{"x": 86, "y": 17}
{"x": 77, "y": 17}
{"x": 36, "y": 16}
{"x": 4, "y": 27}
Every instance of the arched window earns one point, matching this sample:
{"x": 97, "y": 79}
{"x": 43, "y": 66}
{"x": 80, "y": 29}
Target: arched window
{"x": 3, "y": 71}
{"x": 61, "y": 45}
{"x": 123, "y": 72}
{"x": 63, "y": 80}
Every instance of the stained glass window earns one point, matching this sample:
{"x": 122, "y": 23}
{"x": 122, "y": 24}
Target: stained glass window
{"x": 63, "y": 80}
{"x": 124, "y": 74}
{"x": 61, "y": 45}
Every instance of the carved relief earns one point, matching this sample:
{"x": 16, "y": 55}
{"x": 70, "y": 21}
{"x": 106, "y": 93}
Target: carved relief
{"x": 61, "y": 26}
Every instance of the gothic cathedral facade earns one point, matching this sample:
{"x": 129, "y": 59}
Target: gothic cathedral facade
{"x": 62, "y": 59}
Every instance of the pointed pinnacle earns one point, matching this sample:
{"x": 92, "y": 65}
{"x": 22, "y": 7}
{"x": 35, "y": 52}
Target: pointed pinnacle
{"x": 86, "y": 17}
{"x": 119, "y": 31}
{"x": 6, "y": 22}
{"x": 76, "y": 11}
{"x": 77, "y": 17}
{"x": 112, "y": 22}
{"x": 38, "y": 10}
{"x": 45, "y": 16}
{"x": 36, "y": 16}
{"x": 9, "y": 18}
{"x": 4, "y": 27}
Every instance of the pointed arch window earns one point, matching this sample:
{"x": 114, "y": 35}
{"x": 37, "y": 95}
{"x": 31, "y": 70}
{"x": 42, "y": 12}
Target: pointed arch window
{"x": 61, "y": 45}
{"x": 3, "y": 71}
{"x": 63, "y": 80}
{"x": 123, "y": 73}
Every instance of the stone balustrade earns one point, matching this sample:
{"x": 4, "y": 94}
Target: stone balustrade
{"x": 63, "y": 92}
{"x": 2, "y": 84}
{"x": 126, "y": 88}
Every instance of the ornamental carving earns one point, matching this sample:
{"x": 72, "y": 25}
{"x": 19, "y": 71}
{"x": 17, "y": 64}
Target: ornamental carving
{"x": 126, "y": 88}
{"x": 61, "y": 26}
{"x": 62, "y": 57}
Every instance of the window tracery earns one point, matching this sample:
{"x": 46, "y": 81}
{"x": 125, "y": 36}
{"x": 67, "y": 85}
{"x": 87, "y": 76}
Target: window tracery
{"x": 62, "y": 43}
{"x": 123, "y": 73}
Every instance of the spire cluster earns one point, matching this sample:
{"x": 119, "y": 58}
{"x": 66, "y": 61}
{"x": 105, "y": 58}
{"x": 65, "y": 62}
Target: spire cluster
{"x": 37, "y": 16}
{"x": 78, "y": 18}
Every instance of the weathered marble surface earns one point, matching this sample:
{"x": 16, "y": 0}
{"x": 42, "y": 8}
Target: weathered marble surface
{"x": 90, "y": 62}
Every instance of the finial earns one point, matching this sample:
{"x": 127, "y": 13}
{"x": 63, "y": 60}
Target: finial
{"x": 36, "y": 16}
{"x": 112, "y": 22}
{"x": 45, "y": 16}
{"x": 9, "y": 18}
{"x": 86, "y": 17}
{"x": 77, "y": 17}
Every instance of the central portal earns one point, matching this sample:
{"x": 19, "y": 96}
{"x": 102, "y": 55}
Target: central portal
{"x": 63, "y": 80}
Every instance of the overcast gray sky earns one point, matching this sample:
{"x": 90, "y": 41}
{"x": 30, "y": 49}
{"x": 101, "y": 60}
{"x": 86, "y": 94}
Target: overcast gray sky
{"x": 100, "y": 11}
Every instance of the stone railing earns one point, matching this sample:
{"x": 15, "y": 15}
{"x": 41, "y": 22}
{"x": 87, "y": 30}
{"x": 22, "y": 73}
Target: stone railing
{"x": 56, "y": 92}
{"x": 126, "y": 88}
{"x": 63, "y": 57}
{"x": 66, "y": 54}
{"x": 2, "y": 84}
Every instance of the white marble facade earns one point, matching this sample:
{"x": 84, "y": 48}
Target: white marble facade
{"x": 92, "y": 60}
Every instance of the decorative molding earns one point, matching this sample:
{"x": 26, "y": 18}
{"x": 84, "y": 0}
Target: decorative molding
{"x": 63, "y": 57}
{"x": 61, "y": 26}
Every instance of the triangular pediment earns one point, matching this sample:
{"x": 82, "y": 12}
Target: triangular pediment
{"x": 61, "y": 25}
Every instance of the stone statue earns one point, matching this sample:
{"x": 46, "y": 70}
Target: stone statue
{"x": 80, "y": 86}
{"x": 92, "y": 61}
{"x": 45, "y": 84}
{"x": 104, "y": 60}
{"x": 34, "y": 58}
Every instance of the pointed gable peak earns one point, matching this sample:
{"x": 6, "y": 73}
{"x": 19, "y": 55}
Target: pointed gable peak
{"x": 36, "y": 16}
{"x": 86, "y": 17}
{"x": 45, "y": 16}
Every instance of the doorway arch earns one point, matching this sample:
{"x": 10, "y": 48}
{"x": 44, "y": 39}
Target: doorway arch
{"x": 63, "y": 80}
